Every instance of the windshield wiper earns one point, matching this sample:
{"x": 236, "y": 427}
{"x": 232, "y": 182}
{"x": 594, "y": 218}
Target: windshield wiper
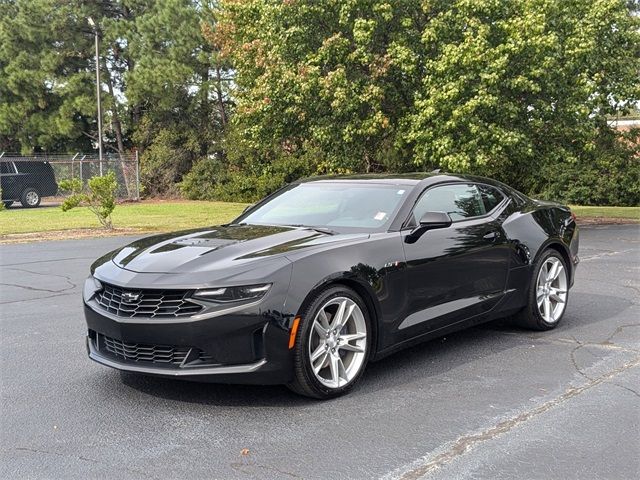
{"x": 326, "y": 231}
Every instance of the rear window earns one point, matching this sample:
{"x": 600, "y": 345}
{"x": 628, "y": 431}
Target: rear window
{"x": 491, "y": 197}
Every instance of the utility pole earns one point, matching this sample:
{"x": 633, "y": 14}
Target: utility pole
{"x": 97, "y": 37}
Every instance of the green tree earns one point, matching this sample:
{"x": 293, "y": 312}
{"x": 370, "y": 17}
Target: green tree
{"x": 46, "y": 99}
{"x": 163, "y": 87}
{"x": 176, "y": 87}
{"x": 484, "y": 86}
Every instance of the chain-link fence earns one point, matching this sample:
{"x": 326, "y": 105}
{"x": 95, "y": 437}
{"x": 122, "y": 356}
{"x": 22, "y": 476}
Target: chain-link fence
{"x": 30, "y": 179}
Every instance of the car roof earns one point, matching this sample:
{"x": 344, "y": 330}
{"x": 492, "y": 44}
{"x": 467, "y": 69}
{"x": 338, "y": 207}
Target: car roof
{"x": 388, "y": 178}
{"x": 413, "y": 178}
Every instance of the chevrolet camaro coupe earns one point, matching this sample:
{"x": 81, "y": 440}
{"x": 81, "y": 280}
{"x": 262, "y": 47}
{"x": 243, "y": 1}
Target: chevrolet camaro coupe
{"x": 310, "y": 284}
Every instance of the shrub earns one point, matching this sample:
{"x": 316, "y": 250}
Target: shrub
{"x": 608, "y": 181}
{"x": 213, "y": 179}
{"x": 169, "y": 153}
{"x": 99, "y": 196}
{"x": 610, "y": 177}
{"x": 201, "y": 181}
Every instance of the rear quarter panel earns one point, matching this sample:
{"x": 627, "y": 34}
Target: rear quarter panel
{"x": 532, "y": 229}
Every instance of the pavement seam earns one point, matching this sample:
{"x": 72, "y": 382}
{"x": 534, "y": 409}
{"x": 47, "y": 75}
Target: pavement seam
{"x": 462, "y": 445}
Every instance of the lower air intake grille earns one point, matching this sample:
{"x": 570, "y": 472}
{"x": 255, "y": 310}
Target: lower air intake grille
{"x": 147, "y": 303}
{"x": 163, "y": 354}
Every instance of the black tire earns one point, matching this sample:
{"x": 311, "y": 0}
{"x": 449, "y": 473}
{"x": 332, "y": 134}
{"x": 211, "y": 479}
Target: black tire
{"x": 305, "y": 382}
{"x": 30, "y": 198}
{"x": 530, "y": 317}
{"x": 7, "y": 203}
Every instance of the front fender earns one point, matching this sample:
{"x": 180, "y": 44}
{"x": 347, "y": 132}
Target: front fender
{"x": 372, "y": 268}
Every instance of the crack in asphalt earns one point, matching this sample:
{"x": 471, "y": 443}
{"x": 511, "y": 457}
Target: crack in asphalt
{"x": 606, "y": 343}
{"x": 619, "y": 329}
{"x": 626, "y": 388}
{"x": 465, "y": 443}
{"x": 38, "y": 298}
{"x": 82, "y": 458}
{"x": 243, "y": 468}
{"x": 67, "y": 278}
{"x": 47, "y": 261}
{"x": 34, "y": 289}
{"x": 71, "y": 286}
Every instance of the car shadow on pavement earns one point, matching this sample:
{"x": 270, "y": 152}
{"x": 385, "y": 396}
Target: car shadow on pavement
{"x": 17, "y": 206}
{"x": 424, "y": 361}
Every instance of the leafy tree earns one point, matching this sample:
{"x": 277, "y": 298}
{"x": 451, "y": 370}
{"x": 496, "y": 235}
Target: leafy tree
{"x": 163, "y": 87}
{"x": 174, "y": 82}
{"x": 485, "y": 86}
{"x": 46, "y": 99}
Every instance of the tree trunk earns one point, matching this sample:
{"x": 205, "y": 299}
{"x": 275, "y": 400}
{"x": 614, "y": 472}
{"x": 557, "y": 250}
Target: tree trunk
{"x": 222, "y": 109}
{"x": 204, "y": 111}
{"x": 117, "y": 128}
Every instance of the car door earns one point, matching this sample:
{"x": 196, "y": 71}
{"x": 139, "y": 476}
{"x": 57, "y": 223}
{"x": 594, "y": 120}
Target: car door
{"x": 457, "y": 272}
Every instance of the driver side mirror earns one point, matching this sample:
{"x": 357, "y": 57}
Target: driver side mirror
{"x": 429, "y": 221}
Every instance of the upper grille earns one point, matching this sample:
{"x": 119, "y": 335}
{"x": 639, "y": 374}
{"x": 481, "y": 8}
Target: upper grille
{"x": 166, "y": 354}
{"x": 146, "y": 303}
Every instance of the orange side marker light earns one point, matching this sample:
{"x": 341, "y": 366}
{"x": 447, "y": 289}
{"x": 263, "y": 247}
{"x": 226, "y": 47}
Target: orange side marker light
{"x": 294, "y": 330}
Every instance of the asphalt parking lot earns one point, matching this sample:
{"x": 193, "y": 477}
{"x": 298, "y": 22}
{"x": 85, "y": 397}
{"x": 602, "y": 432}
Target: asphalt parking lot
{"x": 489, "y": 402}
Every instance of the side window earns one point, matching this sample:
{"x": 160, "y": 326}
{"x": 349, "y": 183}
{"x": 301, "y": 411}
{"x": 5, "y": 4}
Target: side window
{"x": 458, "y": 200}
{"x": 6, "y": 167}
{"x": 491, "y": 197}
{"x": 28, "y": 167}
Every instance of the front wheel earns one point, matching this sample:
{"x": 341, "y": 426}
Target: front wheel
{"x": 333, "y": 343}
{"x": 30, "y": 198}
{"x": 548, "y": 293}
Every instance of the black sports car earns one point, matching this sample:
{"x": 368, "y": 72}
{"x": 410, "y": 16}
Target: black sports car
{"x": 308, "y": 285}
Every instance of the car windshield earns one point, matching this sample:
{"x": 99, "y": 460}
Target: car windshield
{"x": 340, "y": 206}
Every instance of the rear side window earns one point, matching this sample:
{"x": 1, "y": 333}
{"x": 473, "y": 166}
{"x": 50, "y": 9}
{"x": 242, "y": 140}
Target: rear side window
{"x": 458, "y": 200}
{"x": 491, "y": 197}
{"x": 31, "y": 167}
{"x": 6, "y": 167}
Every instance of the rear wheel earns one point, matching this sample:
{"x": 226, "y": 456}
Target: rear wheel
{"x": 333, "y": 343}
{"x": 548, "y": 293}
{"x": 30, "y": 198}
{"x": 7, "y": 203}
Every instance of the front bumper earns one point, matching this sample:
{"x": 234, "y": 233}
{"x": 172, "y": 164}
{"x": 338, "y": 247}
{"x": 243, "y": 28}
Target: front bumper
{"x": 247, "y": 346}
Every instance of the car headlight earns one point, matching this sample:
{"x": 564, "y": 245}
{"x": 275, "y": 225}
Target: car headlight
{"x": 91, "y": 286}
{"x": 232, "y": 294}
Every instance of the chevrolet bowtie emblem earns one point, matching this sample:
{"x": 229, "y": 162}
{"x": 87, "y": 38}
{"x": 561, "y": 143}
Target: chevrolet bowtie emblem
{"x": 129, "y": 297}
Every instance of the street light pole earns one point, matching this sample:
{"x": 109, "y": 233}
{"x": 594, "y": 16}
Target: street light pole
{"x": 97, "y": 37}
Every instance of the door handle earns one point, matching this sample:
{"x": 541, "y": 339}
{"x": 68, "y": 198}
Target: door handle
{"x": 492, "y": 236}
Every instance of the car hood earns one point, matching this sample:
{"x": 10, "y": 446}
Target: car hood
{"x": 215, "y": 248}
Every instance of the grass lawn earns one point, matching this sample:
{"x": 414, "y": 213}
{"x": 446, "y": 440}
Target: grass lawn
{"x": 159, "y": 216}
{"x": 144, "y": 216}
{"x": 631, "y": 213}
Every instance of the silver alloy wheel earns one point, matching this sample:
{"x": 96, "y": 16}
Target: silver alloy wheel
{"x": 551, "y": 292}
{"x": 338, "y": 342}
{"x": 32, "y": 198}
